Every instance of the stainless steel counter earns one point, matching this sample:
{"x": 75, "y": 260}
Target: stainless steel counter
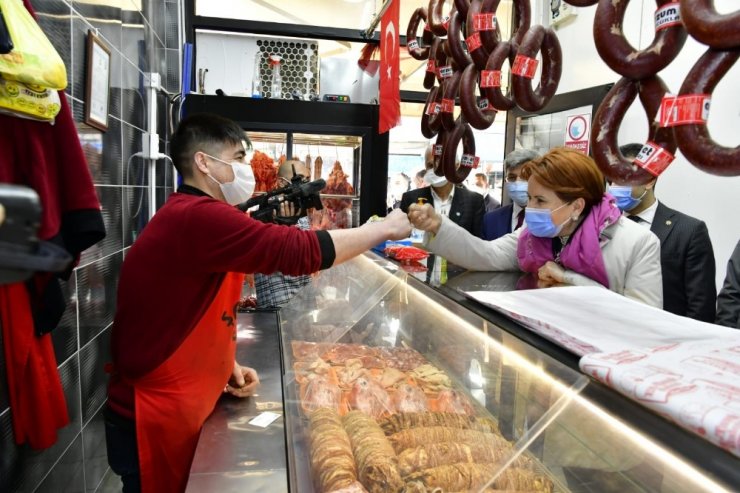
{"x": 232, "y": 455}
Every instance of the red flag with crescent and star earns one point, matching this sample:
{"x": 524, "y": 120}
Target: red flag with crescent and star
{"x": 390, "y": 83}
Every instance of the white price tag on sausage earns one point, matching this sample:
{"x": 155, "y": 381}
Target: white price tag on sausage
{"x": 668, "y": 15}
{"x": 413, "y": 45}
{"x": 263, "y": 420}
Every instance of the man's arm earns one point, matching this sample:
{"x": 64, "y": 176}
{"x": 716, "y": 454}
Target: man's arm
{"x": 699, "y": 273}
{"x": 728, "y": 301}
{"x": 349, "y": 243}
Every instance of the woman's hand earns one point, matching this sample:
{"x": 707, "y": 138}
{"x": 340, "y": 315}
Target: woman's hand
{"x": 551, "y": 273}
{"x": 425, "y": 218}
{"x": 243, "y": 381}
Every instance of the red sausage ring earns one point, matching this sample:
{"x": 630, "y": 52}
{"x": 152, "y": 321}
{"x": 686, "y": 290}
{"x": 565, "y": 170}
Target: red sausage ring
{"x": 450, "y": 89}
{"x": 499, "y": 55}
{"x": 538, "y": 38}
{"x": 478, "y": 52}
{"x": 492, "y": 37}
{"x": 438, "y": 151}
{"x": 694, "y": 140}
{"x": 462, "y": 7}
{"x": 581, "y": 3}
{"x": 469, "y": 103}
{"x": 431, "y": 72}
{"x": 461, "y": 132}
{"x": 434, "y": 17}
{"x": 426, "y": 129}
{"x": 620, "y": 55}
{"x": 608, "y": 119}
{"x": 523, "y": 17}
{"x": 412, "y": 43}
{"x": 709, "y": 27}
{"x": 462, "y": 58}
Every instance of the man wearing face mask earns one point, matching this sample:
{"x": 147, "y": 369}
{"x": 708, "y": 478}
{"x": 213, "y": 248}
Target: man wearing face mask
{"x": 481, "y": 186}
{"x": 574, "y": 233}
{"x": 510, "y": 217}
{"x": 686, "y": 253}
{"x": 464, "y": 207}
{"x": 174, "y": 332}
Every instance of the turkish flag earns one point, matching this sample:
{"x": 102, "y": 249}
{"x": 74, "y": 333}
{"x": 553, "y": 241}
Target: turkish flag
{"x": 390, "y": 83}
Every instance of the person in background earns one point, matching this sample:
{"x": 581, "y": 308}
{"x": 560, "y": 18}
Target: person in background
{"x": 728, "y": 300}
{"x": 275, "y": 290}
{"x": 574, "y": 233}
{"x": 686, "y": 253}
{"x": 481, "y": 186}
{"x": 464, "y": 207}
{"x": 174, "y": 332}
{"x": 419, "y": 179}
{"x": 398, "y": 184}
{"x": 508, "y": 218}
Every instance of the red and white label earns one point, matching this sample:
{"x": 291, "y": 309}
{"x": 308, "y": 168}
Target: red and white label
{"x": 653, "y": 158}
{"x": 445, "y": 72}
{"x": 413, "y": 45}
{"x": 668, "y": 15}
{"x": 469, "y": 161}
{"x": 427, "y": 28}
{"x": 438, "y": 148}
{"x": 446, "y": 22}
{"x": 432, "y": 66}
{"x": 490, "y": 78}
{"x": 433, "y": 108}
{"x": 484, "y": 21}
{"x": 524, "y": 66}
{"x": 448, "y": 105}
{"x": 473, "y": 42}
{"x": 684, "y": 110}
{"x": 485, "y": 105}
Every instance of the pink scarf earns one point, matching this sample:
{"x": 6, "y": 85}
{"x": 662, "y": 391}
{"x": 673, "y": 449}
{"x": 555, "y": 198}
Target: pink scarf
{"x": 582, "y": 254}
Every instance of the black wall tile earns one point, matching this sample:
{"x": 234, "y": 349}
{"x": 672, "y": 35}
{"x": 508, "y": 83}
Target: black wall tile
{"x": 103, "y": 152}
{"x": 96, "y": 459}
{"x": 21, "y": 468}
{"x": 133, "y": 105}
{"x": 136, "y": 213}
{"x": 93, "y": 358}
{"x": 134, "y": 168}
{"x": 64, "y": 337}
{"x": 97, "y": 284}
{"x": 133, "y": 36}
{"x": 110, "y": 201}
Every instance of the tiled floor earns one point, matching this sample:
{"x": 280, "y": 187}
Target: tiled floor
{"x": 111, "y": 483}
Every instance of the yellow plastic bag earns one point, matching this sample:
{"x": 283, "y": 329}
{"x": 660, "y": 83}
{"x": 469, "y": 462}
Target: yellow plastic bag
{"x": 32, "y": 102}
{"x": 33, "y": 59}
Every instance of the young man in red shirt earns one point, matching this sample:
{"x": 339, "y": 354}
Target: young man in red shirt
{"x": 174, "y": 333}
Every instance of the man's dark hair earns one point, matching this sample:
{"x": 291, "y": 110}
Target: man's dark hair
{"x": 630, "y": 151}
{"x": 482, "y": 175}
{"x": 203, "y": 132}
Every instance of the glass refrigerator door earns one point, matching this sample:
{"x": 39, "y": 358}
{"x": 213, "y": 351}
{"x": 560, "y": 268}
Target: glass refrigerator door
{"x": 565, "y": 128}
{"x": 336, "y": 159}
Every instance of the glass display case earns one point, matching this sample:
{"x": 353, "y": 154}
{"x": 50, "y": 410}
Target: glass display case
{"x": 452, "y": 402}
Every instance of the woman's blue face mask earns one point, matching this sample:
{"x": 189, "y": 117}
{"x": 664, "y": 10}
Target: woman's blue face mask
{"x": 540, "y": 223}
{"x": 625, "y": 200}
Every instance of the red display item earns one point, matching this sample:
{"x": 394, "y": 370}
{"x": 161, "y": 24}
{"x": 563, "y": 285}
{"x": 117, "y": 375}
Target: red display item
{"x": 490, "y": 37}
{"x": 708, "y": 26}
{"x": 479, "y": 55}
{"x": 480, "y": 118}
{"x": 404, "y": 253}
{"x": 412, "y": 43}
{"x": 684, "y": 110}
{"x": 654, "y": 159}
{"x": 609, "y": 118}
{"x": 525, "y": 66}
{"x": 431, "y": 74}
{"x": 694, "y": 140}
{"x": 484, "y": 21}
{"x": 504, "y": 51}
{"x": 621, "y": 56}
{"x": 454, "y": 40}
{"x": 490, "y": 78}
{"x": 538, "y": 39}
{"x": 461, "y": 132}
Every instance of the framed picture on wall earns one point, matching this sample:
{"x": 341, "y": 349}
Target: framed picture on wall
{"x": 97, "y": 88}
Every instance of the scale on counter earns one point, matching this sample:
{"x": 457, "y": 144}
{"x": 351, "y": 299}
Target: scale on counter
{"x": 336, "y": 98}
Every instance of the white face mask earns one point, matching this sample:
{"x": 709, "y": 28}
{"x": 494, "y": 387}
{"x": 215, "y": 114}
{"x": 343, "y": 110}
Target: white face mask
{"x": 242, "y": 187}
{"x": 434, "y": 180}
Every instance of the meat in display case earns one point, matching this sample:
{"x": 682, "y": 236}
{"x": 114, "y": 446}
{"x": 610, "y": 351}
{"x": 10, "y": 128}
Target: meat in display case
{"x": 391, "y": 386}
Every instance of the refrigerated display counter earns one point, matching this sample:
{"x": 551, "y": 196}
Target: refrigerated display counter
{"x": 388, "y": 380}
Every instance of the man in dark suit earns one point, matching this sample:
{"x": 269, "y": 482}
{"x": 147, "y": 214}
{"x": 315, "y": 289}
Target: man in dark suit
{"x": 686, "y": 254}
{"x": 463, "y": 206}
{"x": 508, "y": 218}
{"x": 481, "y": 186}
{"x": 728, "y": 300}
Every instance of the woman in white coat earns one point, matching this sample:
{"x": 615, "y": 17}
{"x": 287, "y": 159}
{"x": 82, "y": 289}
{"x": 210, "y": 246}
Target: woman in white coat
{"x": 574, "y": 234}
